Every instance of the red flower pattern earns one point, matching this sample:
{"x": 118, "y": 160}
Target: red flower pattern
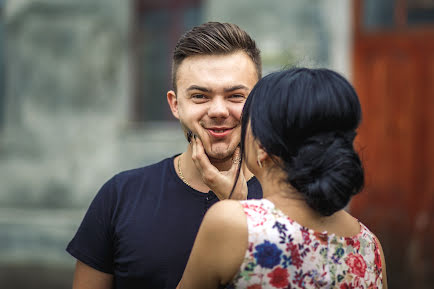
{"x": 346, "y": 286}
{"x": 356, "y": 264}
{"x": 354, "y": 243}
{"x": 295, "y": 255}
{"x": 279, "y": 277}
{"x": 306, "y": 235}
{"x": 305, "y": 255}
{"x": 377, "y": 256}
{"x": 257, "y": 213}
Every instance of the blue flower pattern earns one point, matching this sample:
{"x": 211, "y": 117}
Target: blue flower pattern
{"x": 267, "y": 254}
{"x": 312, "y": 259}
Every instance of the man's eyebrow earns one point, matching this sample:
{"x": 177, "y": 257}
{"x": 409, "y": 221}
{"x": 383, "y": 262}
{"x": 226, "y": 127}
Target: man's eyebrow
{"x": 228, "y": 89}
{"x": 200, "y": 88}
{"x": 236, "y": 87}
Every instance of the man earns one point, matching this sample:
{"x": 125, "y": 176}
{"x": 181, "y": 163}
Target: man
{"x": 139, "y": 230}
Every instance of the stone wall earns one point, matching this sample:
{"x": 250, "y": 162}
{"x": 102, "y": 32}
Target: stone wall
{"x": 65, "y": 128}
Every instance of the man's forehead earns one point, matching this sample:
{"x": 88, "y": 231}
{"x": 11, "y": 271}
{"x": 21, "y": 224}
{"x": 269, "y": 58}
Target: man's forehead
{"x": 217, "y": 72}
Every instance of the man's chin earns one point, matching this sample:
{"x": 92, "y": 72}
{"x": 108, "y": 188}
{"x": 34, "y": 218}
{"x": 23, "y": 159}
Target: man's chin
{"x": 220, "y": 156}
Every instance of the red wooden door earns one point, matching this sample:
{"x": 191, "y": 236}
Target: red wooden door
{"x": 393, "y": 72}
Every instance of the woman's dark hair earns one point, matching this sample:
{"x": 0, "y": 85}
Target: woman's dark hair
{"x": 307, "y": 118}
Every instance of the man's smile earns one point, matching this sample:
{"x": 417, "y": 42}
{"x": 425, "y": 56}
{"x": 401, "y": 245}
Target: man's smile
{"x": 219, "y": 132}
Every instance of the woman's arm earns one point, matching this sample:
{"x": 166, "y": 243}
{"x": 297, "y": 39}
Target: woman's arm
{"x": 219, "y": 249}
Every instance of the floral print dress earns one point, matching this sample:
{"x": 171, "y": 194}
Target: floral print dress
{"x": 284, "y": 254}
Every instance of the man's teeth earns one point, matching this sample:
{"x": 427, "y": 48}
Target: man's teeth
{"x": 218, "y": 130}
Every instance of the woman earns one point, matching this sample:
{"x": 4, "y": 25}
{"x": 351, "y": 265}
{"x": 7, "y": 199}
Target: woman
{"x": 298, "y": 128}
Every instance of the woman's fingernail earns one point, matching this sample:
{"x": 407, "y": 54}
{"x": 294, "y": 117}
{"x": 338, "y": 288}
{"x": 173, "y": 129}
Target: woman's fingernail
{"x": 189, "y": 133}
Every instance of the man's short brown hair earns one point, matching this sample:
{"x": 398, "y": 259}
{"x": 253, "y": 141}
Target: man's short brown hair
{"x": 214, "y": 38}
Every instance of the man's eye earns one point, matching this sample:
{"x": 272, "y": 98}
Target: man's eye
{"x": 198, "y": 96}
{"x": 237, "y": 96}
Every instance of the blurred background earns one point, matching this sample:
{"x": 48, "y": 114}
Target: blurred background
{"x": 82, "y": 97}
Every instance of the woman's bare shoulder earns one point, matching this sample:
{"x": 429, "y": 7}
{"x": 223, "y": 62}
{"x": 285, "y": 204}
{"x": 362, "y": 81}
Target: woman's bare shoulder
{"x": 226, "y": 214}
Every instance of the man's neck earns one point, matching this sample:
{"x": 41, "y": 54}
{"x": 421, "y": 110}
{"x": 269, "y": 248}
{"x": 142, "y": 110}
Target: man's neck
{"x": 191, "y": 174}
{"x": 222, "y": 165}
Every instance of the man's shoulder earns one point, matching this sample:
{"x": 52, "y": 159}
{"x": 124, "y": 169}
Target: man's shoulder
{"x": 141, "y": 177}
{"x": 149, "y": 171}
{"x": 136, "y": 181}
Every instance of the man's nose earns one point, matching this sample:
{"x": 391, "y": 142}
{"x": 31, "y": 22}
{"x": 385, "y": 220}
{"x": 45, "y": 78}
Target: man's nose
{"x": 218, "y": 108}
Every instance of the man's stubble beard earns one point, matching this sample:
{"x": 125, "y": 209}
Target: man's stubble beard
{"x": 213, "y": 158}
{"x": 222, "y": 157}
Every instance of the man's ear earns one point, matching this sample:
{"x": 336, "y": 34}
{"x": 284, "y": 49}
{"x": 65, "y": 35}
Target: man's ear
{"x": 173, "y": 103}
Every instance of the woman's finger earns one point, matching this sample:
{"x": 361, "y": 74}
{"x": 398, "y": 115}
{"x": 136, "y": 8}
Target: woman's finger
{"x": 194, "y": 151}
{"x": 207, "y": 169}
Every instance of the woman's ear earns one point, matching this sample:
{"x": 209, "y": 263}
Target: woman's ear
{"x": 262, "y": 155}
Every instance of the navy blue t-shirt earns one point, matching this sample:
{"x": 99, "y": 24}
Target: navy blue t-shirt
{"x": 142, "y": 224}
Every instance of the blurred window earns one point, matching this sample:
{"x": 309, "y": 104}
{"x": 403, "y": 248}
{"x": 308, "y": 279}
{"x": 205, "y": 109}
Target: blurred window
{"x": 396, "y": 14}
{"x": 420, "y": 12}
{"x": 158, "y": 27}
{"x": 2, "y": 66}
{"x": 155, "y": 66}
{"x": 378, "y": 14}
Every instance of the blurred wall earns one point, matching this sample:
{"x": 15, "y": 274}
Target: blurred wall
{"x": 68, "y": 94}
{"x": 65, "y": 129}
{"x": 297, "y": 32}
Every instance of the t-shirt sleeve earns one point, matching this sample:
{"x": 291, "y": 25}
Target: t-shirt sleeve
{"x": 93, "y": 241}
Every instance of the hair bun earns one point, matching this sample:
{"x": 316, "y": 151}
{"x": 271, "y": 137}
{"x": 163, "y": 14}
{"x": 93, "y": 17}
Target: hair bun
{"x": 327, "y": 138}
{"x": 307, "y": 119}
{"x": 327, "y": 171}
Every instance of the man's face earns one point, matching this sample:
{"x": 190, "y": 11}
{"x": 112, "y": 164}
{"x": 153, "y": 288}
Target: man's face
{"x": 211, "y": 91}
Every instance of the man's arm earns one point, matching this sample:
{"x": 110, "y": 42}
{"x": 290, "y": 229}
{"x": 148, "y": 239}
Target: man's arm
{"x": 92, "y": 244}
{"x": 86, "y": 277}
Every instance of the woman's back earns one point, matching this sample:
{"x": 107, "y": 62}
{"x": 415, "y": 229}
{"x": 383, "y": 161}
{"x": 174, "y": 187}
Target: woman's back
{"x": 298, "y": 129}
{"x": 283, "y": 254}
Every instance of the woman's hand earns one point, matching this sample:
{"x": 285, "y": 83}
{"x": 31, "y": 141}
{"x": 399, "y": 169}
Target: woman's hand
{"x": 220, "y": 182}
